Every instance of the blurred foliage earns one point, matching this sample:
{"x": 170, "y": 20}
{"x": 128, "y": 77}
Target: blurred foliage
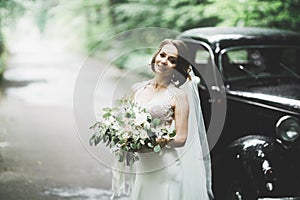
{"x": 9, "y": 11}
{"x": 84, "y": 22}
{"x": 178, "y": 15}
{"x": 41, "y": 14}
{"x": 262, "y": 13}
{"x": 87, "y": 24}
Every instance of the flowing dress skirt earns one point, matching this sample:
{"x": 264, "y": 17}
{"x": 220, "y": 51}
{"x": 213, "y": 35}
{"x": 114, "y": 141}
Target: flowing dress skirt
{"x": 158, "y": 177}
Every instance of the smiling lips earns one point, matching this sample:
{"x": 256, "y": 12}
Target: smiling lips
{"x": 162, "y": 68}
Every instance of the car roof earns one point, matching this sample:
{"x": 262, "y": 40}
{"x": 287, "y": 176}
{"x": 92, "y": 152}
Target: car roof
{"x": 235, "y": 36}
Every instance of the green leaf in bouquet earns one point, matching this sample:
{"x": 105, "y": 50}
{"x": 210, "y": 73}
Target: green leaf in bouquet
{"x": 121, "y": 156}
{"x": 119, "y": 102}
{"x": 126, "y": 148}
{"x": 105, "y": 138}
{"x": 97, "y": 140}
{"x": 122, "y": 141}
{"x": 127, "y": 115}
{"x": 132, "y": 115}
{"x": 107, "y": 109}
{"x": 106, "y": 132}
{"x": 95, "y": 125}
{"x": 139, "y": 145}
{"x": 173, "y": 134}
{"x": 91, "y": 141}
{"x": 119, "y": 119}
{"x": 107, "y": 143}
{"x": 115, "y": 139}
{"x": 133, "y": 146}
{"x": 157, "y": 149}
{"x": 156, "y": 122}
{"x": 164, "y": 131}
{"x": 106, "y": 115}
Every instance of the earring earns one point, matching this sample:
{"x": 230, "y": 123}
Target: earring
{"x": 173, "y": 75}
{"x": 175, "y": 82}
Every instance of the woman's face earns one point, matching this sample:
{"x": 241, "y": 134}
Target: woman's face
{"x": 166, "y": 60}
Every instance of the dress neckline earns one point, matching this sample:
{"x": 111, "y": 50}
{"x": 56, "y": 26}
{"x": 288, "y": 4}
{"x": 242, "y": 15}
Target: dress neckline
{"x": 166, "y": 92}
{"x": 152, "y": 81}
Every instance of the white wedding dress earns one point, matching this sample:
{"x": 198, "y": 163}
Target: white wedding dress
{"x": 177, "y": 174}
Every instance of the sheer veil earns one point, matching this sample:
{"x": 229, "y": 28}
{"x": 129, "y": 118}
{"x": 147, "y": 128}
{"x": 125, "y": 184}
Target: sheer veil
{"x": 195, "y": 157}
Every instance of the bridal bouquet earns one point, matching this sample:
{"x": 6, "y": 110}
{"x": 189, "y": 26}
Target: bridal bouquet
{"x": 128, "y": 128}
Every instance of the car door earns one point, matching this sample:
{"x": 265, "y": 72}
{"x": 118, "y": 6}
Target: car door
{"x": 211, "y": 88}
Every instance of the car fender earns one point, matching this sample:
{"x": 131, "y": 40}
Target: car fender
{"x": 251, "y": 158}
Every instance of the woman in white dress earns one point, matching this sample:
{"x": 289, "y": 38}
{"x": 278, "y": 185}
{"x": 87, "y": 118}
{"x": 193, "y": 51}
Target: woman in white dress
{"x": 182, "y": 172}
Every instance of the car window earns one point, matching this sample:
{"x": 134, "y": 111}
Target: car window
{"x": 202, "y": 56}
{"x": 260, "y": 62}
{"x": 201, "y": 60}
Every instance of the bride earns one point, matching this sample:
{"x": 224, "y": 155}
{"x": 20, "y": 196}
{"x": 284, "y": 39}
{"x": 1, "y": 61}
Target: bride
{"x": 183, "y": 171}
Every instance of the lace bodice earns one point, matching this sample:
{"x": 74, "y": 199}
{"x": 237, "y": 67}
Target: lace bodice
{"x": 158, "y": 107}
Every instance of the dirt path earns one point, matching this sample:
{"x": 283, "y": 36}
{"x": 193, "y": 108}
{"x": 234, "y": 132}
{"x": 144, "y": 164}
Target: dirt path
{"x": 41, "y": 156}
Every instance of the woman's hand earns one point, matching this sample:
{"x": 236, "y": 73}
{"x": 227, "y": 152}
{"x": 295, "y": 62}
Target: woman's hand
{"x": 163, "y": 141}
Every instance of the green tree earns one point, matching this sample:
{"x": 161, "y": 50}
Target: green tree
{"x": 85, "y": 21}
{"x": 174, "y": 14}
{"x": 9, "y": 11}
{"x": 263, "y": 13}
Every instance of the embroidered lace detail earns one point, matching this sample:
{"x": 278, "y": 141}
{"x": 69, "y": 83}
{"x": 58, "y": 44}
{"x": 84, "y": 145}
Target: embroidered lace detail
{"x": 158, "y": 108}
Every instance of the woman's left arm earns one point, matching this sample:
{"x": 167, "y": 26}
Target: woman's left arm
{"x": 181, "y": 119}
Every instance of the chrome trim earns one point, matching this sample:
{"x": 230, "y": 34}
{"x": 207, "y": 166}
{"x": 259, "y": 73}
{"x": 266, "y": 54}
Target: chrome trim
{"x": 279, "y": 198}
{"x": 262, "y": 105}
{"x": 267, "y": 97}
{"x": 280, "y": 121}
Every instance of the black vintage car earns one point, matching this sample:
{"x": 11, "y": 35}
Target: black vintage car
{"x": 250, "y": 93}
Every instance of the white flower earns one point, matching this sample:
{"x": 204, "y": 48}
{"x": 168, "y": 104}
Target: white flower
{"x": 109, "y": 122}
{"x": 135, "y": 137}
{"x": 127, "y": 128}
{"x": 170, "y": 129}
{"x": 142, "y": 142}
{"x": 115, "y": 126}
{"x": 140, "y": 118}
{"x": 143, "y": 134}
{"x": 135, "y": 110}
{"x": 155, "y": 130}
{"x": 147, "y": 125}
{"x": 125, "y": 135}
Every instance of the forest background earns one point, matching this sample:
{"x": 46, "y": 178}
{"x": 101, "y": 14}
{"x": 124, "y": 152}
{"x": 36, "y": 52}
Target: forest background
{"x": 87, "y": 23}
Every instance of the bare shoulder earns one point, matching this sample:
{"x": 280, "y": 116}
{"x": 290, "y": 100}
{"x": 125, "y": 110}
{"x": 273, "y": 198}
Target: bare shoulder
{"x": 180, "y": 95}
{"x": 137, "y": 85}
